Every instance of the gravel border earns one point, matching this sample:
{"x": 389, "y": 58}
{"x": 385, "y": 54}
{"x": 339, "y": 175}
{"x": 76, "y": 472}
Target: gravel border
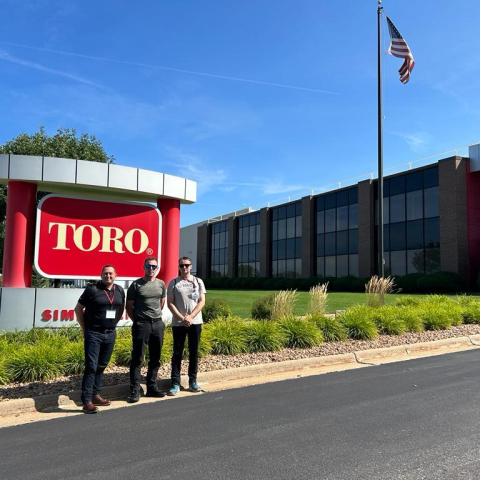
{"x": 119, "y": 375}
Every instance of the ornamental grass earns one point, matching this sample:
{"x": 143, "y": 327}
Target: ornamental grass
{"x": 377, "y": 288}
{"x": 283, "y": 304}
{"x": 388, "y": 321}
{"x": 74, "y": 361}
{"x": 300, "y": 332}
{"x": 332, "y": 330}
{"x": 318, "y": 299}
{"x": 263, "y": 336}
{"x": 358, "y": 323}
{"x": 228, "y": 336}
{"x": 34, "y": 363}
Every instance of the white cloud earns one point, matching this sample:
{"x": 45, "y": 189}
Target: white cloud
{"x": 416, "y": 141}
{"x": 37, "y": 66}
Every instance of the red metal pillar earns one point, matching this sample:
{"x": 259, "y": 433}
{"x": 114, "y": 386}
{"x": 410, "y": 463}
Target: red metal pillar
{"x": 19, "y": 234}
{"x": 170, "y": 210}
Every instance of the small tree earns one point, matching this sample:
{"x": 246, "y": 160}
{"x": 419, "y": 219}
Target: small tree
{"x": 64, "y": 144}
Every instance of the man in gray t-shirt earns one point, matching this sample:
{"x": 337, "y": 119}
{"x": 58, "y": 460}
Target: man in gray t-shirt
{"x": 185, "y": 299}
{"x": 145, "y": 301}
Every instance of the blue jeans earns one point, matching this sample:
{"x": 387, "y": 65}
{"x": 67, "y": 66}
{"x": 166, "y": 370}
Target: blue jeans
{"x": 98, "y": 350}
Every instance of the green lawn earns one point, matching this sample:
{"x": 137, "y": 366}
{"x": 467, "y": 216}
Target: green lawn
{"x": 241, "y": 301}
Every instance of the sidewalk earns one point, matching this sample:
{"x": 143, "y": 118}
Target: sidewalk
{"x": 27, "y": 410}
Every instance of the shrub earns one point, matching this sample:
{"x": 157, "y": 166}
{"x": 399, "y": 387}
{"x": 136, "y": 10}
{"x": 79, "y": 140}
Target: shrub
{"x": 5, "y": 352}
{"x": 318, "y": 298}
{"x": 470, "y": 308}
{"x": 441, "y": 282}
{"x": 216, "y": 308}
{"x": 359, "y": 284}
{"x": 434, "y": 317}
{"x": 358, "y": 322}
{"x": 227, "y": 336}
{"x": 451, "y": 308}
{"x": 122, "y": 353}
{"x": 167, "y": 347}
{"x": 389, "y": 321}
{"x": 263, "y": 336}
{"x": 409, "y": 283}
{"x": 407, "y": 301}
{"x": 284, "y": 303}
{"x": 345, "y": 284}
{"x": 410, "y": 316}
{"x": 34, "y": 363}
{"x": 377, "y": 288}
{"x": 74, "y": 358}
{"x": 300, "y": 333}
{"x": 262, "y": 308}
{"x": 332, "y": 330}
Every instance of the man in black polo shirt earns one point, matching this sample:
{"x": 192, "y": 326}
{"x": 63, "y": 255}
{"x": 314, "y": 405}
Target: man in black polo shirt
{"x": 98, "y": 311}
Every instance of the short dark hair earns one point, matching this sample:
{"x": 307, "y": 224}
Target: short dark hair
{"x": 184, "y": 258}
{"x": 109, "y": 266}
{"x": 151, "y": 259}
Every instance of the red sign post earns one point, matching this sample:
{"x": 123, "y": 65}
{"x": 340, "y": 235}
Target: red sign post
{"x": 75, "y": 237}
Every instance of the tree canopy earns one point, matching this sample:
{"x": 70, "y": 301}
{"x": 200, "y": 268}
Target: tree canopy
{"x": 64, "y": 144}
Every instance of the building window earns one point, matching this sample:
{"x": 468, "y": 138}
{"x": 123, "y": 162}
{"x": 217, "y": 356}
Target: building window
{"x": 337, "y": 233}
{"x": 287, "y": 240}
{"x": 248, "y": 247}
{"x": 219, "y": 249}
{"x": 411, "y": 223}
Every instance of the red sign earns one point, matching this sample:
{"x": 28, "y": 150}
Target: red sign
{"x": 75, "y": 237}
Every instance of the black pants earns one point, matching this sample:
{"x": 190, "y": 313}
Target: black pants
{"x": 146, "y": 333}
{"x": 179, "y": 333}
{"x": 98, "y": 350}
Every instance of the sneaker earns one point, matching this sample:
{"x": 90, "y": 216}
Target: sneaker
{"x": 155, "y": 392}
{"x": 134, "y": 396}
{"x": 174, "y": 390}
{"x": 193, "y": 387}
{"x": 89, "y": 408}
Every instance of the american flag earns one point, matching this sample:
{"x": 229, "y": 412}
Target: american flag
{"x": 399, "y": 48}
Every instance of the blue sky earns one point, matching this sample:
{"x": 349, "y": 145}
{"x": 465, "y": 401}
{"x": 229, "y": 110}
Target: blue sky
{"x": 255, "y": 100}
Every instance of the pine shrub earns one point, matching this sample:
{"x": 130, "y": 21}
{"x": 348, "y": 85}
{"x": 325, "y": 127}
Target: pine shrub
{"x": 358, "y": 322}
{"x": 300, "y": 332}
{"x": 263, "y": 336}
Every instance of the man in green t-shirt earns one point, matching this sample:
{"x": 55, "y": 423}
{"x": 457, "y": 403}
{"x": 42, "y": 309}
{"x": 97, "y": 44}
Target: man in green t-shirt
{"x": 145, "y": 301}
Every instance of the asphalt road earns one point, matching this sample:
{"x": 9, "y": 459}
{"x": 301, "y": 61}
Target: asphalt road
{"x": 408, "y": 420}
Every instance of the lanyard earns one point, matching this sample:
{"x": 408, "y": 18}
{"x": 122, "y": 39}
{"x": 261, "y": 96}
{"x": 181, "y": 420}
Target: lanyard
{"x": 108, "y": 296}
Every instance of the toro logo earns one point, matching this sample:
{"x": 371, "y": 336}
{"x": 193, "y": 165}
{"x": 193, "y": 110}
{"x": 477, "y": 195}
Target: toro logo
{"x": 76, "y": 237}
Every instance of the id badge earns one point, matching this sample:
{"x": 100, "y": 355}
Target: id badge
{"x": 194, "y": 296}
{"x": 110, "y": 314}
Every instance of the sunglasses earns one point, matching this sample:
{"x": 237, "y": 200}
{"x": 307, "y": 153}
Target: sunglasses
{"x": 151, "y": 267}
{"x": 185, "y": 265}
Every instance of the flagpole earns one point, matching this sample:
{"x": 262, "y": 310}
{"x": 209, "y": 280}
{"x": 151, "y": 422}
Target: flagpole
{"x": 381, "y": 269}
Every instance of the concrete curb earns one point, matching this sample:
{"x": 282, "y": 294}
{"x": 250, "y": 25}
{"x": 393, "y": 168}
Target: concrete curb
{"x": 262, "y": 373}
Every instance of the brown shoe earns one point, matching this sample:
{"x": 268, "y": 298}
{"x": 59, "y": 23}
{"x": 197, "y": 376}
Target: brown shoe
{"x": 100, "y": 401}
{"x": 90, "y": 408}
